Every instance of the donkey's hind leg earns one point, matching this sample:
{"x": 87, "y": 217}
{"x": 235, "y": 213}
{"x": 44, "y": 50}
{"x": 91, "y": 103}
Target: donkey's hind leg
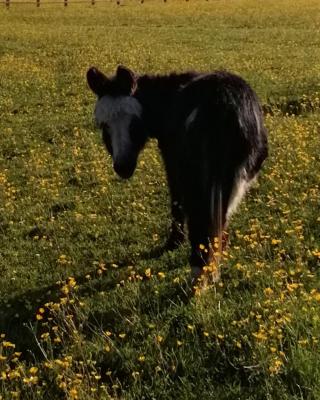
{"x": 207, "y": 219}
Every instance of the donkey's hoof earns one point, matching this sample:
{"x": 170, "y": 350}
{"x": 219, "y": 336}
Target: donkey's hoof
{"x": 203, "y": 278}
{"x": 196, "y": 273}
{"x": 197, "y": 279}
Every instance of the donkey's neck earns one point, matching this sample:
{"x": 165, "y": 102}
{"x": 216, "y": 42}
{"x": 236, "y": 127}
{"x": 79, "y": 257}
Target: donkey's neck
{"x": 157, "y": 95}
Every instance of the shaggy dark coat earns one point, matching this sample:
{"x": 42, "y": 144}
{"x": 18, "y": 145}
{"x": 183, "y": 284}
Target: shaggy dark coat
{"x": 212, "y": 139}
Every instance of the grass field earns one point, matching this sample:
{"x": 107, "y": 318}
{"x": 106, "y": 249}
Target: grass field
{"x": 86, "y": 310}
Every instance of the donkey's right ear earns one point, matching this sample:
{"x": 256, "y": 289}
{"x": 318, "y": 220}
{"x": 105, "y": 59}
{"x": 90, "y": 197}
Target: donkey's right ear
{"x": 96, "y": 81}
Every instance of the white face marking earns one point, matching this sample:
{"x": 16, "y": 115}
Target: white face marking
{"x": 240, "y": 188}
{"x": 111, "y": 108}
{"x": 191, "y": 117}
{"x": 117, "y": 113}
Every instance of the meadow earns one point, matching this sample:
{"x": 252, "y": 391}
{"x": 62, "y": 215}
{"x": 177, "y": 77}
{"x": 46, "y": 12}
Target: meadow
{"x": 88, "y": 309}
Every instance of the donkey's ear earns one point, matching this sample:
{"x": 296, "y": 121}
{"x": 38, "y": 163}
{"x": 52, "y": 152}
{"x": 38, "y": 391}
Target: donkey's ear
{"x": 96, "y": 81}
{"x": 126, "y": 79}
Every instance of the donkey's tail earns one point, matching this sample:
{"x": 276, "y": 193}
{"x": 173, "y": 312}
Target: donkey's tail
{"x": 217, "y": 226}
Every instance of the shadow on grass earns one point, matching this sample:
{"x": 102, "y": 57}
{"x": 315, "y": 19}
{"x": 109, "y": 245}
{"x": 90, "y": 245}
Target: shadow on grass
{"x": 18, "y": 314}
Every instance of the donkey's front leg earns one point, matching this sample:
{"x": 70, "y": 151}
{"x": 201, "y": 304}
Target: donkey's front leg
{"x": 169, "y": 155}
{"x": 177, "y": 225}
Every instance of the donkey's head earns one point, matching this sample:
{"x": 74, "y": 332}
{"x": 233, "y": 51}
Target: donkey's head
{"x": 118, "y": 113}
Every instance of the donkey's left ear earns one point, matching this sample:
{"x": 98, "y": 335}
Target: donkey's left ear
{"x": 126, "y": 79}
{"x": 97, "y": 81}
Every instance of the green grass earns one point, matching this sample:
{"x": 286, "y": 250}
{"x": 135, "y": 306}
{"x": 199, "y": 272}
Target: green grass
{"x": 65, "y": 217}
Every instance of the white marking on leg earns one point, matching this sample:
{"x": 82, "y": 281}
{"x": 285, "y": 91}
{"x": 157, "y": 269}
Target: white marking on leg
{"x": 190, "y": 118}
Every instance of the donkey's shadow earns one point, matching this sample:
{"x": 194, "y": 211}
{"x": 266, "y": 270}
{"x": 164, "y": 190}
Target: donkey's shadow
{"x": 161, "y": 249}
{"x": 18, "y": 320}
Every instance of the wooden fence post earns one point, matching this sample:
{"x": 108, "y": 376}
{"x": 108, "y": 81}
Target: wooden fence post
{"x": 7, "y": 3}
{"x": 65, "y": 2}
{"x": 93, "y": 2}
{"x": 38, "y": 3}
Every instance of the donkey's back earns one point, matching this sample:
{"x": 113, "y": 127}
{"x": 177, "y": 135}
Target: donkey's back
{"x": 220, "y": 121}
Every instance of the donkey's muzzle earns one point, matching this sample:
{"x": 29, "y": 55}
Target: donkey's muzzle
{"x": 124, "y": 170}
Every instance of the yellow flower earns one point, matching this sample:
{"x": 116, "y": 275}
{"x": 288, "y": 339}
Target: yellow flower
{"x": 315, "y": 295}
{"x": 8, "y": 344}
{"x": 159, "y": 339}
{"x": 292, "y": 286}
{"x": 73, "y": 393}
{"x": 147, "y": 272}
{"x": 268, "y": 291}
{"x": 273, "y": 349}
{"x": 33, "y": 370}
{"x": 275, "y": 367}
{"x": 13, "y": 374}
{"x": 71, "y": 282}
{"x": 62, "y": 259}
{"x": 316, "y": 254}
{"x": 122, "y": 335}
{"x": 190, "y": 327}
{"x": 64, "y": 290}
{"x": 62, "y": 385}
{"x": 48, "y": 364}
{"x": 260, "y": 335}
{"x": 31, "y": 379}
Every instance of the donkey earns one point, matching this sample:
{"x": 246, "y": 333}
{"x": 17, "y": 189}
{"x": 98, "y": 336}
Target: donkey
{"x": 211, "y": 136}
